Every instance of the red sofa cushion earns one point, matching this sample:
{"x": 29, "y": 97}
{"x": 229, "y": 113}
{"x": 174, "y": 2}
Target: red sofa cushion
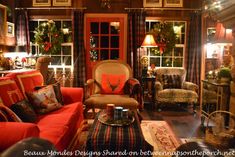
{"x": 27, "y": 81}
{"x": 60, "y": 126}
{"x": 9, "y": 91}
{"x": 12, "y": 132}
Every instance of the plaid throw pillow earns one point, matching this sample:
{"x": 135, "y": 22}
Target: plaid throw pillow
{"x": 171, "y": 81}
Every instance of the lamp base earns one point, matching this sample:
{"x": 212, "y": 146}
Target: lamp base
{"x": 145, "y": 72}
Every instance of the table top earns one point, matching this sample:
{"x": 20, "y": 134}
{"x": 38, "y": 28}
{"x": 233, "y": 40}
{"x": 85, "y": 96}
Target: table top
{"x": 215, "y": 82}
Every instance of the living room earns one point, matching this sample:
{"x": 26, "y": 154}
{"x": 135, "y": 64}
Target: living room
{"x": 161, "y": 61}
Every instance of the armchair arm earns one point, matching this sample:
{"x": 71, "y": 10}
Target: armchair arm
{"x": 88, "y": 88}
{"x": 72, "y": 94}
{"x": 12, "y": 132}
{"x": 134, "y": 89}
{"x": 158, "y": 86}
{"x": 190, "y": 86}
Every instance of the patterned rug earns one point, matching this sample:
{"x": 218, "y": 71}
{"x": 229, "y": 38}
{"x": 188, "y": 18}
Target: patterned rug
{"x": 160, "y": 135}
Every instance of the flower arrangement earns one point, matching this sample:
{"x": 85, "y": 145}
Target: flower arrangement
{"x": 224, "y": 72}
{"x": 48, "y": 37}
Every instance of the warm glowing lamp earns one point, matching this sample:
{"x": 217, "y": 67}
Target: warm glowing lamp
{"x": 149, "y": 41}
{"x": 222, "y": 35}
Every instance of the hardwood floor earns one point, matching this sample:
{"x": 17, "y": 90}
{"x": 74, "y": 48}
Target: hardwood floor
{"x": 183, "y": 122}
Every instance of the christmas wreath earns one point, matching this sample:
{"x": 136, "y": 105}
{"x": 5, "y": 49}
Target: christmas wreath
{"x": 48, "y": 37}
{"x": 165, "y": 35}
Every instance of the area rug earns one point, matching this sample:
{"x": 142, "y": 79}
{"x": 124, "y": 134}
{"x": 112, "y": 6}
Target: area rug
{"x": 160, "y": 136}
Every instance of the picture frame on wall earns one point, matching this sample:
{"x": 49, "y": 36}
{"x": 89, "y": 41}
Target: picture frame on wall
{"x": 173, "y": 3}
{"x": 10, "y": 29}
{"x": 41, "y": 3}
{"x": 3, "y": 15}
{"x": 62, "y": 2}
{"x": 152, "y": 3}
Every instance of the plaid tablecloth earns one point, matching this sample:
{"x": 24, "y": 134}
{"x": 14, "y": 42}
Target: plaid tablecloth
{"x": 105, "y": 140}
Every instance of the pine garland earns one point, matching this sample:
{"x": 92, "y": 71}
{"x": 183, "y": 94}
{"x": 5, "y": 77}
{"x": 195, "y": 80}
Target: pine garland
{"x": 48, "y": 38}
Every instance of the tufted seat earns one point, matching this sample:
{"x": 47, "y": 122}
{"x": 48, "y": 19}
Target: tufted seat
{"x": 170, "y": 91}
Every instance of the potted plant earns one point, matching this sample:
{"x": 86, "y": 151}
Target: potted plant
{"x": 224, "y": 75}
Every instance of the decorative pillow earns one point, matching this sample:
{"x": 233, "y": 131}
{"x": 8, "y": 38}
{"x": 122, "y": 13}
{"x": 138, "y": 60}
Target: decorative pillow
{"x": 112, "y": 84}
{"x": 9, "y": 92}
{"x": 57, "y": 91}
{"x": 25, "y": 111}
{"x": 44, "y": 100}
{"x": 7, "y": 115}
{"x": 171, "y": 81}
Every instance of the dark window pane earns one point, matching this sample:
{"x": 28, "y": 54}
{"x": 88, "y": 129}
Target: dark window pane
{"x": 178, "y": 62}
{"x": 154, "y": 51}
{"x": 67, "y": 60}
{"x": 147, "y": 26}
{"x": 167, "y": 53}
{"x": 114, "y": 54}
{"x": 58, "y": 24}
{"x": 32, "y": 37}
{"x": 33, "y": 50}
{"x": 178, "y": 51}
{"x": 67, "y": 24}
{"x": 94, "y": 27}
{"x": 33, "y": 25}
{"x": 114, "y": 41}
{"x": 155, "y": 61}
{"x": 40, "y": 22}
{"x": 166, "y": 62}
{"x": 66, "y": 50}
{"x": 104, "y": 28}
{"x": 104, "y": 54}
{"x": 94, "y": 41}
{"x": 104, "y": 42}
{"x": 115, "y": 27}
{"x": 56, "y": 60}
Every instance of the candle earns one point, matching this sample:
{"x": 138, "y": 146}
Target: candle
{"x": 63, "y": 66}
{"x": 71, "y": 70}
{"x": 55, "y": 70}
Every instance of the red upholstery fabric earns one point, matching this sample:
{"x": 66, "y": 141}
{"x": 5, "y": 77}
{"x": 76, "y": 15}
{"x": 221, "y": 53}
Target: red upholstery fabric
{"x": 59, "y": 126}
{"x": 71, "y": 95}
{"x": 112, "y": 84}
{"x": 27, "y": 81}
{"x": 9, "y": 91}
{"x": 12, "y": 132}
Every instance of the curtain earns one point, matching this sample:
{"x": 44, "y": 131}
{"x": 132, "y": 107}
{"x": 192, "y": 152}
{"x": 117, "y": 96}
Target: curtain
{"x": 22, "y": 29}
{"x": 194, "y": 49}
{"x": 79, "y": 50}
{"x": 136, "y": 33}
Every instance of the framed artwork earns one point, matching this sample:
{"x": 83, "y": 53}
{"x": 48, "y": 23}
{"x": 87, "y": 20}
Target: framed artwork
{"x": 10, "y": 29}
{"x": 3, "y": 15}
{"x": 62, "y": 2}
{"x": 41, "y": 3}
{"x": 152, "y": 3}
{"x": 173, "y": 3}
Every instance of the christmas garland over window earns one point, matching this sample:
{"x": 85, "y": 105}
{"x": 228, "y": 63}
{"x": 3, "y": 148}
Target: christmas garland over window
{"x": 48, "y": 37}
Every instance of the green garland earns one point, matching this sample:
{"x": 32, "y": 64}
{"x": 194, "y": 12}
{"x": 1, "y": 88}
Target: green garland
{"x": 48, "y": 38}
{"x": 164, "y": 34}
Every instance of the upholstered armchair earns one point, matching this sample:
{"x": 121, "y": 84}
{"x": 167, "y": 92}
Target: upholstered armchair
{"x": 112, "y": 83}
{"x": 171, "y": 87}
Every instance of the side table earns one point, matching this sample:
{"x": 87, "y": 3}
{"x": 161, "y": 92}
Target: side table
{"x": 106, "y": 140}
{"x": 148, "y": 89}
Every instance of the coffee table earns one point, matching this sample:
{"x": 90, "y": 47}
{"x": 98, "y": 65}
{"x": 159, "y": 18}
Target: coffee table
{"x": 106, "y": 140}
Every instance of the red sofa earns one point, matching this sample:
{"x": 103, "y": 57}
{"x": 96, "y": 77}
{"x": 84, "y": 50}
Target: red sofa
{"x": 59, "y": 127}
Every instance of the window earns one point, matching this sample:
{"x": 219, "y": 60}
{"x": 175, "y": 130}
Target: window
{"x": 175, "y": 58}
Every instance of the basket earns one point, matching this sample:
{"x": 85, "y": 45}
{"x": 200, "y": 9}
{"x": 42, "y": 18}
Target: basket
{"x": 221, "y": 135}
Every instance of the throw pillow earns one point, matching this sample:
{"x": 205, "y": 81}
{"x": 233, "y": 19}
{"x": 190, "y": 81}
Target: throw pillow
{"x": 7, "y": 115}
{"x": 44, "y": 100}
{"x": 24, "y": 110}
{"x": 112, "y": 84}
{"x": 57, "y": 91}
{"x": 171, "y": 81}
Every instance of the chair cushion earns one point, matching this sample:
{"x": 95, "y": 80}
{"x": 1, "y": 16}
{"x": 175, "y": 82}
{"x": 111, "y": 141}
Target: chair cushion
{"x": 177, "y": 95}
{"x": 101, "y": 100}
{"x": 112, "y": 84}
{"x": 171, "y": 81}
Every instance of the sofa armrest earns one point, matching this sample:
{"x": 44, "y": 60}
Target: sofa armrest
{"x": 158, "y": 86}
{"x": 12, "y": 132}
{"x": 72, "y": 94}
{"x": 190, "y": 86}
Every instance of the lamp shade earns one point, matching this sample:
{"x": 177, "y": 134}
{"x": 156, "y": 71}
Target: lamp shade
{"x": 223, "y": 35}
{"x": 149, "y": 41}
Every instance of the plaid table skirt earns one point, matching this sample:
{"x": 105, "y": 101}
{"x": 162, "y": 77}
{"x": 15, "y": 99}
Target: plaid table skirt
{"x": 105, "y": 140}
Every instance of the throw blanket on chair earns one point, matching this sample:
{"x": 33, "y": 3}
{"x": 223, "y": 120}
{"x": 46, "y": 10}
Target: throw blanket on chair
{"x": 134, "y": 89}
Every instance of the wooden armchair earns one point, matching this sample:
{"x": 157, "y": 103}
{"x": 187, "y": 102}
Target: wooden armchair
{"x": 171, "y": 87}
{"x": 112, "y": 83}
